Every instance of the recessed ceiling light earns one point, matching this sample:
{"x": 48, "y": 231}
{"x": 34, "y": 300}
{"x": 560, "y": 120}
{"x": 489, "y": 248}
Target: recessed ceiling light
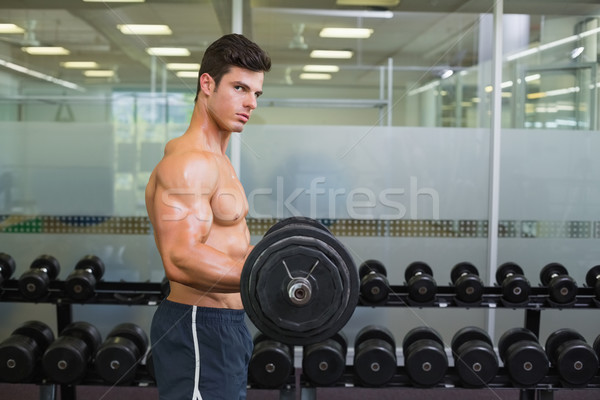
{"x": 183, "y": 66}
{"x": 349, "y": 33}
{"x": 314, "y": 76}
{"x": 168, "y": 51}
{"x": 187, "y": 74}
{"x": 99, "y": 73}
{"x": 46, "y": 51}
{"x": 79, "y": 64}
{"x": 11, "y": 28}
{"x": 144, "y": 29}
{"x": 320, "y": 68}
{"x": 331, "y": 54}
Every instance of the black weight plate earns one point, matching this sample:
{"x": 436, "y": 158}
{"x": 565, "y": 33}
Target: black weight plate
{"x": 469, "y": 288}
{"x": 421, "y": 333}
{"x": 467, "y": 334}
{"x": 557, "y": 338}
{"x": 422, "y": 288}
{"x": 7, "y": 264}
{"x": 516, "y": 289}
{"x": 596, "y": 346}
{"x": 526, "y": 362}
{"x": 341, "y": 338}
{"x": 38, "y": 331}
{"x": 332, "y": 251}
{"x": 324, "y": 363}
{"x": 514, "y": 335}
{"x": 271, "y": 364}
{"x": 374, "y": 288}
{"x": 461, "y": 268}
{"x": 562, "y": 289}
{"x": 33, "y": 284}
{"x": 375, "y": 362}
{"x": 80, "y": 285}
{"x": 85, "y": 331}
{"x": 48, "y": 262}
{"x": 577, "y": 363}
{"x": 592, "y": 276}
{"x": 375, "y": 332}
{"x": 416, "y": 267}
{"x": 296, "y": 221}
{"x": 426, "y": 362}
{"x": 508, "y": 268}
{"x": 132, "y": 332}
{"x": 19, "y": 357}
{"x": 369, "y": 266}
{"x": 93, "y": 263}
{"x": 477, "y": 363}
{"x": 551, "y": 269}
{"x": 117, "y": 359}
{"x": 66, "y": 360}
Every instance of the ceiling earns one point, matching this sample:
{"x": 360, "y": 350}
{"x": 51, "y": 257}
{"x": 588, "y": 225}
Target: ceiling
{"x": 424, "y": 37}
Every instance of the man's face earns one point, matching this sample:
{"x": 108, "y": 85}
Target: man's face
{"x": 232, "y": 103}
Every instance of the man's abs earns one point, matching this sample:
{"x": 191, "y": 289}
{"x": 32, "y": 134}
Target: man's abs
{"x": 186, "y": 295}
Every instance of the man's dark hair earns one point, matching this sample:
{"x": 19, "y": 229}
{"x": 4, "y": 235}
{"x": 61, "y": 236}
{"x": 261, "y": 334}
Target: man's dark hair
{"x": 232, "y": 50}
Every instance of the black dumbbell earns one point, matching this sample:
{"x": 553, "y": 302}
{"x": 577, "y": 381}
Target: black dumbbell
{"x": 81, "y": 283}
{"x": 422, "y": 288}
{"x": 165, "y": 287}
{"x": 474, "y": 357}
{"x": 562, "y": 288}
{"x": 467, "y": 283}
{"x": 425, "y": 359}
{"x": 120, "y": 354}
{"x": 374, "y": 285}
{"x": 271, "y": 364}
{"x": 21, "y": 353}
{"x": 324, "y": 363}
{"x": 33, "y": 284}
{"x": 66, "y": 360}
{"x": 515, "y": 286}
{"x": 374, "y": 355}
{"x": 150, "y": 365}
{"x": 592, "y": 279}
{"x": 7, "y": 267}
{"x": 523, "y": 357}
{"x": 575, "y": 360}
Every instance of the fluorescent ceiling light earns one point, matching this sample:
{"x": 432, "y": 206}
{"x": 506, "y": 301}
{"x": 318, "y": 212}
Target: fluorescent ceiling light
{"x": 46, "y": 51}
{"x": 168, "y": 51}
{"x": 39, "y": 75}
{"x": 187, "y": 74}
{"x": 114, "y": 1}
{"x": 11, "y": 28}
{"x": 142, "y": 29}
{"x": 447, "y": 74}
{"x": 99, "y": 73}
{"x": 368, "y": 3}
{"x": 317, "y": 77}
{"x": 323, "y": 12}
{"x": 320, "y": 68}
{"x": 350, "y": 33}
{"x": 345, "y": 54}
{"x": 183, "y": 66}
{"x": 79, "y": 64}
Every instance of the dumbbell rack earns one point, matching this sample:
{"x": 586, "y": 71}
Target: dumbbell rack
{"x": 492, "y": 299}
{"x": 106, "y": 293}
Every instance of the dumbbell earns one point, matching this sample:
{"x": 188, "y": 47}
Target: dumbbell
{"x": 21, "y": 352}
{"x": 118, "y": 356}
{"x": 81, "y": 283}
{"x": 165, "y": 287}
{"x": 7, "y": 267}
{"x": 575, "y": 360}
{"x": 562, "y": 288}
{"x": 33, "y": 284}
{"x": 467, "y": 284}
{"x": 324, "y": 363}
{"x": 66, "y": 360}
{"x": 592, "y": 279}
{"x": 374, "y": 285}
{"x": 425, "y": 359}
{"x": 150, "y": 365}
{"x": 474, "y": 357}
{"x": 523, "y": 357}
{"x": 422, "y": 288}
{"x": 515, "y": 286}
{"x": 271, "y": 363}
{"x": 374, "y": 355}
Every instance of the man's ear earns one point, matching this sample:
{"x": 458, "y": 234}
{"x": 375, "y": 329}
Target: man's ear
{"x": 207, "y": 83}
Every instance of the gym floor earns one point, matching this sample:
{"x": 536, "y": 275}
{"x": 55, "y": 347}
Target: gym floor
{"x": 31, "y": 392}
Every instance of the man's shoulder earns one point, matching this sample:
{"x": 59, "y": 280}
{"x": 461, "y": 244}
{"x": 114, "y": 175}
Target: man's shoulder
{"x": 187, "y": 167}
